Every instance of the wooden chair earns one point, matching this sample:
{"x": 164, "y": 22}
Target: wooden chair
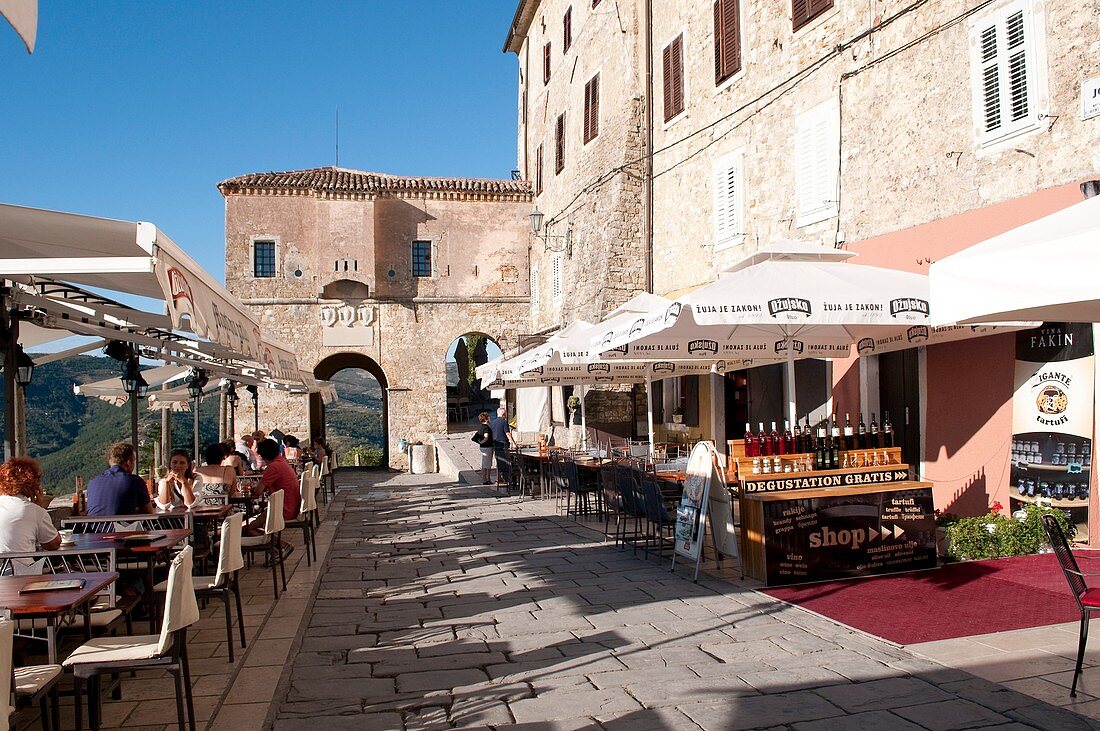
{"x": 307, "y": 515}
{"x": 1088, "y": 600}
{"x": 166, "y": 651}
{"x": 268, "y": 543}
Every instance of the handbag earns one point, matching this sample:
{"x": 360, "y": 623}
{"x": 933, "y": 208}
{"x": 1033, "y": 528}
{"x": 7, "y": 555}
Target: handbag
{"x": 476, "y": 438}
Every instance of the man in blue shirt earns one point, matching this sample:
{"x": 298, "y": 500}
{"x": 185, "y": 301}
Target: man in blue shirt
{"x": 118, "y": 491}
{"x": 502, "y": 435}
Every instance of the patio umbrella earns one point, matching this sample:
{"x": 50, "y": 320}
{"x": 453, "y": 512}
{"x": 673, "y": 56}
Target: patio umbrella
{"x": 1043, "y": 270}
{"x": 789, "y": 300}
{"x": 462, "y": 363}
{"x": 23, "y": 16}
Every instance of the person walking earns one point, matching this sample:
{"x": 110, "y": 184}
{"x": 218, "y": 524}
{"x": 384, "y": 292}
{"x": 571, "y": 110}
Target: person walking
{"x": 484, "y": 439}
{"x": 502, "y": 439}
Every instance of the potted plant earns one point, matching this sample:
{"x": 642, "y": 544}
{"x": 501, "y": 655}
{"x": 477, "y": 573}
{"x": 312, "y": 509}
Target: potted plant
{"x": 678, "y": 415}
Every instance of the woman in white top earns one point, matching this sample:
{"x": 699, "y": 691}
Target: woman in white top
{"x": 24, "y": 522}
{"x": 217, "y": 480}
{"x": 177, "y": 488}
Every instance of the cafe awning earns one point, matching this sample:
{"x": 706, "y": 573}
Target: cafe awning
{"x": 111, "y": 391}
{"x": 1044, "y": 271}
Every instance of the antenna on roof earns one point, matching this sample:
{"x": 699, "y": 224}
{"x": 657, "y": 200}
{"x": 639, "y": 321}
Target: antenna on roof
{"x": 337, "y": 135}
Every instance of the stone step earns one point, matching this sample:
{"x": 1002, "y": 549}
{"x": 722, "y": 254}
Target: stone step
{"x": 459, "y": 458}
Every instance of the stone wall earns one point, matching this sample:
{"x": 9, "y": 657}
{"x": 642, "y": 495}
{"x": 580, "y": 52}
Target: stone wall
{"x": 376, "y": 309}
{"x": 908, "y": 149}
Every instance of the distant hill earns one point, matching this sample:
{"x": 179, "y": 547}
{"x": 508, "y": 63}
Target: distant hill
{"x": 69, "y": 434}
{"x": 355, "y": 420}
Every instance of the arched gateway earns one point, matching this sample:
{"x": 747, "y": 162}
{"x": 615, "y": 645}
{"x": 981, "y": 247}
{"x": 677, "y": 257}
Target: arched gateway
{"x": 364, "y": 406}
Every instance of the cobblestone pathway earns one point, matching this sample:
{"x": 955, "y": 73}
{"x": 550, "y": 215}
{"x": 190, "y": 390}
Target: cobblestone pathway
{"x": 441, "y": 606}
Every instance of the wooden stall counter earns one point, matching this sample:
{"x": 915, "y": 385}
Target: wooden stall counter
{"x": 799, "y": 535}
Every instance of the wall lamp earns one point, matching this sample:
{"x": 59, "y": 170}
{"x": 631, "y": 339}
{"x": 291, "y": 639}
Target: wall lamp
{"x": 537, "y": 217}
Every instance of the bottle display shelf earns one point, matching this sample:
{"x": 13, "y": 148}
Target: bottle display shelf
{"x": 1053, "y": 502}
{"x": 1049, "y": 467}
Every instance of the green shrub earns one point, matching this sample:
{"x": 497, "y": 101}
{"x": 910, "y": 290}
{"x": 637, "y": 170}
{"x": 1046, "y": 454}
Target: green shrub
{"x": 369, "y": 456}
{"x": 996, "y": 535}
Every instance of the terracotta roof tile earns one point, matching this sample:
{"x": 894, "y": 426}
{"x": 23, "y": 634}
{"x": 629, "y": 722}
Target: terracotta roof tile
{"x": 359, "y": 182}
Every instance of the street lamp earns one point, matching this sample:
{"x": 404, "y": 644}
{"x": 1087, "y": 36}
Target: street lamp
{"x": 231, "y": 399}
{"x": 537, "y": 218}
{"x": 132, "y": 380}
{"x": 252, "y": 389}
{"x": 196, "y": 382}
{"x": 24, "y": 368}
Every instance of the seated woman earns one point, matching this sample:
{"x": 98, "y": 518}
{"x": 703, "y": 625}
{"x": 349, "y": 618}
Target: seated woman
{"x": 24, "y": 522}
{"x": 319, "y": 451}
{"x": 177, "y": 488}
{"x": 291, "y": 448}
{"x": 217, "y": 480}
{"x": 232, "y": 459}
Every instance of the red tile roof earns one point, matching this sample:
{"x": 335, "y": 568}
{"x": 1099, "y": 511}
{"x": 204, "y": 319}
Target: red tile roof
{"x": 355, "y": 183}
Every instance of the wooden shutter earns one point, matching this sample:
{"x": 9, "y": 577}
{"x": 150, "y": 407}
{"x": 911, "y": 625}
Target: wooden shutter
{"x": 727, "y": 198}
{"x": 673, "y": 65}
{"x": 559, "y": 145}
{"x": 803, "y": 11}
{"x": 592, "y": 108}
{"x": 546, "y": 64}
{"x": 727, "y": 39}
{"x": 567, "y": 30}
{"x": 534, "y": 284}
{"x": 817, "y": 158}
{"x": 595, "y": 3}
{"x": 556, "y": 284}
{"x": 538, "y": 171}
{"x": 658, "y": 400}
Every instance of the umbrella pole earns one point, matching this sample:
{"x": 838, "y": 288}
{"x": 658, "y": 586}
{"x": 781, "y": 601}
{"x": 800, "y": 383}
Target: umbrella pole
{"x": 584, "y": 419}
{"x": 10, "y": 364}
{"x": 649, "y": 409}
{"x": 134, "y": 426}
{"x": 165, "y": 433}
{"x": 195, "y": 433}
{"x": 792, "y": 403}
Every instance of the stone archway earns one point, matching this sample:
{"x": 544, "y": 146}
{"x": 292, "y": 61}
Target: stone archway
{"x": 333, "y": 365}
{"x": 464, "y": 354}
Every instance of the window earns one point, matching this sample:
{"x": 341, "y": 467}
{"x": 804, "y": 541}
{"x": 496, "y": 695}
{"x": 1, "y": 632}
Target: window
{"x": 592, "y": 108}
{"x": 727, "y": 39}
{"x": 595, "y": 3}
{"x": 567, "y": 30}
{"x": 534, "y": 286}
{"x": 538, "y": 171}
{"x": 729, "y": 225}
{"x": 1006, "y": 74}
{"x": 803, "y": 11}
{"x": 673, "y": 62}
{"x": 263, "y": 259}
{"x": 559, "y": 145}
{"x": 546, "y": 64}
{"x": 422, "y": 258}
{"x": 817, "y": 159}
{"x": 556, "y": 279}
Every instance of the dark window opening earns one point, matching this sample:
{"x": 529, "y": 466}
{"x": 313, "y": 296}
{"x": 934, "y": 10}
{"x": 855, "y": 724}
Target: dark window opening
{"x": 422, "y": 258}
{"x": 263, "y": 259}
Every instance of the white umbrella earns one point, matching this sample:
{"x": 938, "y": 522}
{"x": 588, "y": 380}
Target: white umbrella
{"x": 789, "y": 300}
{"x": 111, "y": 391}
{"x": 23, "y": 16}
{"x": 1043, "y": 270}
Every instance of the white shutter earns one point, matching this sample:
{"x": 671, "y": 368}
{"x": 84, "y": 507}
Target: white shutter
{"x": 534, "y": 286}
{"x": 817, "y": 163}
{"x": 1006, "y": 61}
{"x": 556, "y": 279}
{"x": 729, "y": 218}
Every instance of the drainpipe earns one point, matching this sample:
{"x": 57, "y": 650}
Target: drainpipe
{"x": 648, "y": 176}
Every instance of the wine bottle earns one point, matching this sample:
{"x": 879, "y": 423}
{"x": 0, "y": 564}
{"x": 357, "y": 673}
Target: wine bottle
{"x": 819, "y": 451}
{"x": 861, "y": 433}
{"x": 797, "y": 437}
{"x": 808, "y": 436}
{"x": 887, "y": 430}
{"x": 763, "y": 444}
{"x": 873, "y": 437}
{"x": 834, "y": 430}
{"x": 849, "y": 441}
{"x": 750, "y": 442}
{"x": 834, "y": 454}
{"x": 788, "y": 438}
{"x": 776, "y": 440}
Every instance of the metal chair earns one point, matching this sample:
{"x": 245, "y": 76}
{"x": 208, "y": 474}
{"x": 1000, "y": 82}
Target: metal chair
{"x": 1088, "y": 600}
{"x": 659, "y": 521}
{"x": 166, "y": 651}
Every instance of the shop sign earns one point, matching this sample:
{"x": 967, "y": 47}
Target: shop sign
{"x": 1052, "y": 418}
{"x": 841, "y": 536}
{"x": 845, "y": 479}
{"x": 1090, "y": 98}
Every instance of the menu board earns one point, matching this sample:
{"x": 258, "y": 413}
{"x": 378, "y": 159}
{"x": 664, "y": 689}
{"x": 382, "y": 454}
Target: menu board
{"x": 691, "y": 514}
{"x": 841, "y": 536}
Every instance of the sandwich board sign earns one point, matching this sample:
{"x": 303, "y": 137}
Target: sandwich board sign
{"x": 704, "y": 491}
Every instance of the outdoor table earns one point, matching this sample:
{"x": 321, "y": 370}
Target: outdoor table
{"x": 146, "y": 552}
{"x": 543, "y": 462}
{"x": 53, "y": 604}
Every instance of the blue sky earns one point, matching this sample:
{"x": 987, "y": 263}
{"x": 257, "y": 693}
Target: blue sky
{"x": 135, "y": 110}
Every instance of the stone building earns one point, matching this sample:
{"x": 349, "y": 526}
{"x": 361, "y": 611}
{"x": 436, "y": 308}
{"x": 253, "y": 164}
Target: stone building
{"x": 581, "y": 145}
{"x": 366, "y": 270}
{"x": 902, "y": 131}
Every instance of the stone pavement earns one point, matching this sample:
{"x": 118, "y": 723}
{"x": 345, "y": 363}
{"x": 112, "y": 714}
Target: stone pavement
{"x": 442, "y": 605}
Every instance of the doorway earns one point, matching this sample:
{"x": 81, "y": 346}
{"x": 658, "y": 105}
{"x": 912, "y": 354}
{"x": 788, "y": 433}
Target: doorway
{"x": 356, "y": 426}
{"x": 899, "y": 398}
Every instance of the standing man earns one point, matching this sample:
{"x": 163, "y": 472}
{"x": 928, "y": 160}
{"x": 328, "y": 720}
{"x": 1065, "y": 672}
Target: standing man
{"x": 502, "y": 438}
{"x": 244, "y": 446}
{"x": 118, "y": 491}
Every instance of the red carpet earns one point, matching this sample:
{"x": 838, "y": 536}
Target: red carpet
{"x": 958, "y": 600}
